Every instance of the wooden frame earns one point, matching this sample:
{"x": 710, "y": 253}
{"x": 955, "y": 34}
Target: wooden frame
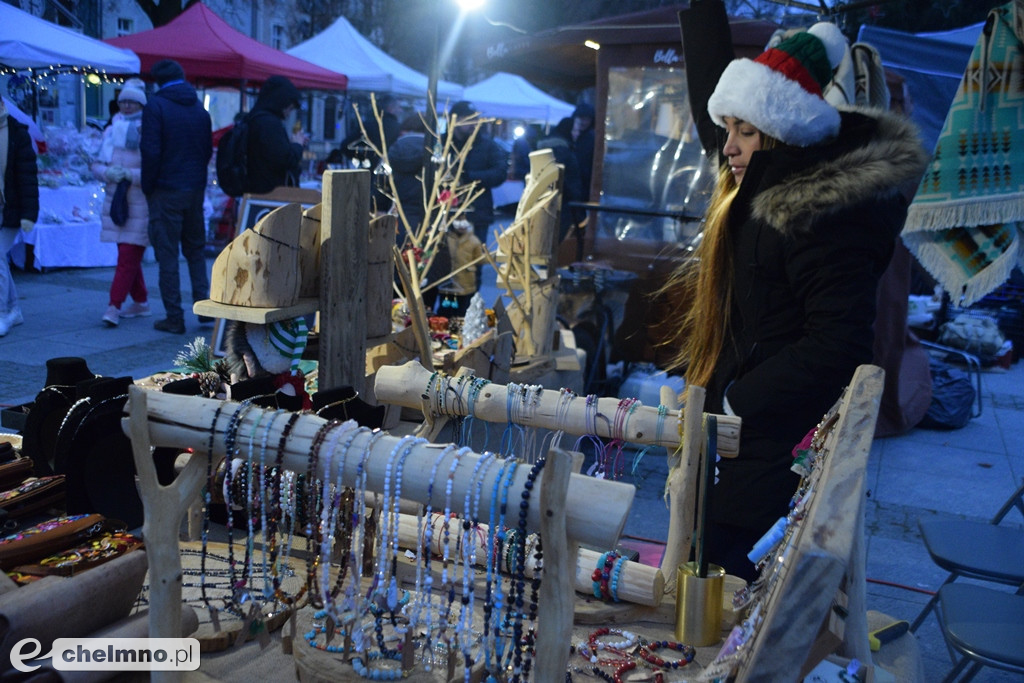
{"x": 253, "y": 207}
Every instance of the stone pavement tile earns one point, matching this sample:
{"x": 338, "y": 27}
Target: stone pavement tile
{"x": 951, "y": 479}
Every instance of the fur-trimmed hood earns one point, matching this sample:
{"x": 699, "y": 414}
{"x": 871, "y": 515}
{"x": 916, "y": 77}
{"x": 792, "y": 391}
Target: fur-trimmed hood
{"x": 877, "y": 154}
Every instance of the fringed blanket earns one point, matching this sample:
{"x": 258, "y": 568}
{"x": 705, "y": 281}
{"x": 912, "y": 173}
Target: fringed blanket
{"x": 965, "y": 223}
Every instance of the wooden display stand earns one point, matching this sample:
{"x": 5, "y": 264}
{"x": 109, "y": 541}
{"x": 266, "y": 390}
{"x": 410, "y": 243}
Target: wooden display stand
{"x": 526, "y": 257}
{"x": 562, "y": 512}
{"x": 353, "y": 277}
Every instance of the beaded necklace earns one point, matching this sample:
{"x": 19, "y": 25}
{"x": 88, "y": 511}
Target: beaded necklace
{"x": 207, "y": 502}
{"x": 329, "y": 515}
{"x": 267, "y": 509}
{"x": 239, "y": 595}
{"x": 253, "y": 497}
{"x": 475, "y": 385}
{"x": 493, "y": 552}
{"x": 470, "y": 523}
{"x": 590, "y": 413}
{"x": 446, "y": 532}
{"x": 275, "y": 578}
{"x": 519, "y": 578}
{"x": 360, "y": 522}
{"x": 424, "y": 578}
{"x": 499, "y": 595}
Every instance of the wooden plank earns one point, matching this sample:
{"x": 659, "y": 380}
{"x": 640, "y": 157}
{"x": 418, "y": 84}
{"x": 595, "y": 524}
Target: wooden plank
{"x": 380, "y": 275}
{"x": 253, "y": 314}
{"x": 344, "y": 241}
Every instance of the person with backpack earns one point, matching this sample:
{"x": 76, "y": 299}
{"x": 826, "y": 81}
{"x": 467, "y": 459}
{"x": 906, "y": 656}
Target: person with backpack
{"x": 273, "y": 156}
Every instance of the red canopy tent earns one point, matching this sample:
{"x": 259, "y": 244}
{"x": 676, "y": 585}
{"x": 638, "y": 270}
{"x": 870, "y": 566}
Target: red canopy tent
{"x": 213, "y": 52}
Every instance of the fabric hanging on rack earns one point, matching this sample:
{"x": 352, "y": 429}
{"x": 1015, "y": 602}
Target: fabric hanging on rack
{"x": 965, "y": 222}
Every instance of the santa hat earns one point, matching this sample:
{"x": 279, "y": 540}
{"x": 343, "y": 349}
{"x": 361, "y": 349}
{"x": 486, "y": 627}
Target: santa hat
{"x": 133, "y": 90}
{"x": 780, "y": 92}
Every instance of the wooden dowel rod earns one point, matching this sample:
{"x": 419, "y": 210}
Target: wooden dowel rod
{"x": 405, "y": 385}
{"x": 639, "y": 584}
{"x": 554, "y": 617}
{"x": 682, "y": 489}
{"x": 186, "y": 421}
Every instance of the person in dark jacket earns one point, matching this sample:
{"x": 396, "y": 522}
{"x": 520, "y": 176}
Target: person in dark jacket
{"x": 176, "y": 146}
{"x": 583, "y": 143}
{"x": 274, "y": 156}
{"x": 560, "y": 144}
{"x": 802, "y": 223}
{"x": 19, "y": 197}
{"x": 486, "y": 164}
{"x": 405, "y": 157}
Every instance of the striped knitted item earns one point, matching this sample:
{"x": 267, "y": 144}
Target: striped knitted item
{"x": 289, "y": 338}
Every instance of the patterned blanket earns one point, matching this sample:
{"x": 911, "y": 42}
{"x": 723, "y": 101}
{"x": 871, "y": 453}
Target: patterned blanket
{"x": 965, "y": 223}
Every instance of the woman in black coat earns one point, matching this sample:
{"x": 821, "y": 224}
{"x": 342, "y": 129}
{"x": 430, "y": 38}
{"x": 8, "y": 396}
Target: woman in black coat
{"x": 20, "y": 201}
{"x": 802, "y": 223}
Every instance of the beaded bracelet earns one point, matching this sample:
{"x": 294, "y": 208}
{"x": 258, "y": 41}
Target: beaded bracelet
{"x": 378, "y": 674}
{"x": 646, "y": 652}
{"x": 602, "y": 573}
{"x": 613, "y": 585}
{"x": 629, "y": 639}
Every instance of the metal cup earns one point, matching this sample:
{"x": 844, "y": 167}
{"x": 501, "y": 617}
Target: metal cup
{"x": 699, "y": 605}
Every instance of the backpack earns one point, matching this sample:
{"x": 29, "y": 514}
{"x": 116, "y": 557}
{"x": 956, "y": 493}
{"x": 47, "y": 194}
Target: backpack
{"x": 233, "y": 159}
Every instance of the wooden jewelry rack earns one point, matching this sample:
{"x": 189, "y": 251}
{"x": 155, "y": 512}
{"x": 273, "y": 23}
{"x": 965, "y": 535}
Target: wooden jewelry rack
{"x": 411, "y": 385}
{"x": 562, "y": 512}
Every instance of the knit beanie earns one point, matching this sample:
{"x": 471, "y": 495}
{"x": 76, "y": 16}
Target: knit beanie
{"x": 133, "y": 90}
{"x": 167, "y": 70}
{"x": 780, "y": 92}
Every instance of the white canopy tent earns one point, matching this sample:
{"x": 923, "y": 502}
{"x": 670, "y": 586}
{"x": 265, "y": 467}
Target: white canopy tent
{"x": 340, "y": 47}
{"x": 508, "y": 96}
{"x": 28, "y": 42}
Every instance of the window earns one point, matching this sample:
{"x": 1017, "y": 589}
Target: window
{"x": 653, "y": 160}
{"x": 125, "y": 26}
{"x": 330, "y": 118}
{"x": 277, "y": 36}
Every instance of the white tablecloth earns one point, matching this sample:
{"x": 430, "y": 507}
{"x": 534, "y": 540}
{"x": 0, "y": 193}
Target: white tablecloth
{"x": 67, "y": 234}
{"x": 65, "y": 245}
{"x": 71, "y": 203}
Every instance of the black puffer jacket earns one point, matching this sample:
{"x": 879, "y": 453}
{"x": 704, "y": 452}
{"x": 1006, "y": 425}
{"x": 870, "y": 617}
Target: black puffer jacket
{"x": 21, "y": 179}
{"x": 273, "y": 158}
{"x": 812, "y": 231}
{"x": 177, "y": 140}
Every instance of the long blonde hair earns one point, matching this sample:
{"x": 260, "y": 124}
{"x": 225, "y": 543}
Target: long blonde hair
{"x": 704, "y": 285}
